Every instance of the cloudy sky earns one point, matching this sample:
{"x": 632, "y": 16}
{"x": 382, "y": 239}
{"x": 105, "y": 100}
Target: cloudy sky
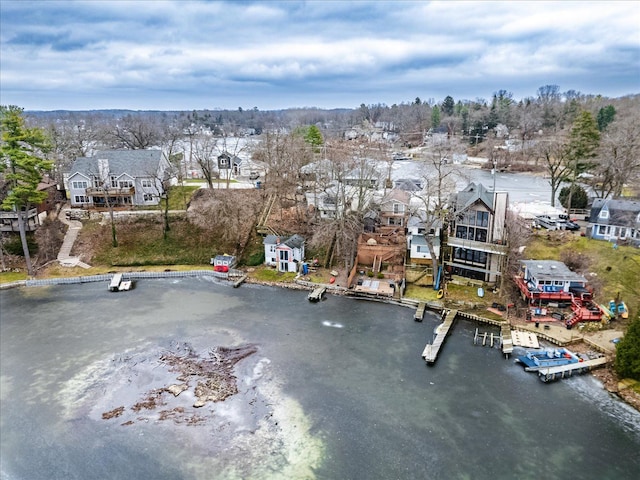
{"x": 183, "y": 55}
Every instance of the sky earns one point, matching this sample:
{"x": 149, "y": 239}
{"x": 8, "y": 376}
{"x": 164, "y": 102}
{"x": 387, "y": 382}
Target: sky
{"x": 185, "y": 55}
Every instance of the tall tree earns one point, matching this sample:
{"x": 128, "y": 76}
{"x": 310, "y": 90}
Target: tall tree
{"x": 23, "y": 167}
{"x": 554, "y": 154}
{"x": 605, "y": 116}
{"x": 584, "y": 140}
{"x": 448, "y": 105}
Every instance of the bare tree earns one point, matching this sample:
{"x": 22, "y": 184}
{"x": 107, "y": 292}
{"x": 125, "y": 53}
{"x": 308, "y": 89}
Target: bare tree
{"x": 618, "y": 160}
{"x": 554, "y": 155}
{"x": 134, "y": 132}
{"x": 205, "y": 152}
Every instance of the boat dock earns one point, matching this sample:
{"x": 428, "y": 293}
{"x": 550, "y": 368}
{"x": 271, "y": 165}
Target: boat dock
{"x": 317, "y": 294}
{"x": 483, "y": 337}
{"x": 240, "y": 281}
{"x": 562, "y": 371}
{"x": 420, "y": 312}
{"x": 507, "y": 339}
{"x": 430, "y": 352}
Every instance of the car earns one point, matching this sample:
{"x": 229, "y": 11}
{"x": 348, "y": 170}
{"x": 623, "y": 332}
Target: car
{"x": 569, "y": 225}
{"x": 547, "y": 222}
{"x": 254, "y": 176}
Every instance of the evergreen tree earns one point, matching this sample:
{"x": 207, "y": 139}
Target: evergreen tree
{"x": 605, "y": 117}
{"x": 627, "y": 363}
{"x": 22, "y": 168}
{"x": 584, "y": 141}
{"x": 576, "y": 194}
{"x": 448, "y": 105}
{"x": 435, "y": 117}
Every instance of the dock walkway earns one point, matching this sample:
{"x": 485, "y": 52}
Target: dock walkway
{"x": 420, "y": 312}
{"x": 430, "y": 352}
{"x": 562, "y": 371}
{"x": 317, "y": 293}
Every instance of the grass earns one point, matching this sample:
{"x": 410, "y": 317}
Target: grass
{"x": 8, "y": 277}
{"x": 271, "y": 275}
{"x": 179, "y": 196}
{"x": 141, "y": 243}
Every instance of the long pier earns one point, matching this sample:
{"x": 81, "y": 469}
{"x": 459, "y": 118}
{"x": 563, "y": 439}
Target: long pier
{"x": 430, "y": 352}
{"x": 561, "y": 371}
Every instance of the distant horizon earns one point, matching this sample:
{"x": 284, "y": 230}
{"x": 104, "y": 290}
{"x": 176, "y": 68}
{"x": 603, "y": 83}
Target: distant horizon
{"x": 283, "y": 55}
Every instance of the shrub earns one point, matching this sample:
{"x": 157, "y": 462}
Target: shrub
{"x": 579, "y": 198}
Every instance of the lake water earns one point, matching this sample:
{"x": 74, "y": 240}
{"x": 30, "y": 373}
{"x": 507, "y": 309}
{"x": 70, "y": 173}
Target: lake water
{"x": 522, "y": 187}
{"x": 336, "y": 390}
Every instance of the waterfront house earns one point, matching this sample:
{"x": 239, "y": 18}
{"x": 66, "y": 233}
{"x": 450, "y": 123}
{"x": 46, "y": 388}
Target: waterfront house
{"x": 549, "y": 280}
{"x": 285, "y": 256}
{"x": 417, "y": 246}
{"x": 120, "y": 178}
{"x": 615, "y": 220}
{"x": 477, "y": 234}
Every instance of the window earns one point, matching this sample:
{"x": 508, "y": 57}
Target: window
{"x": 398, "y": 208}
{"x": 125, "y": 184}
{"x": 148, "y": 197}
{"x": 114, "y": 181}
{"x": 284, "y": 255}
{"x": 604, "y": 213}
{"x": 482, "y": 219}
{"x": 602, "y": 229}
{"x": 79, "y": 184}
{"x": 146, "y": 183}
{"x": 80, "y": 199}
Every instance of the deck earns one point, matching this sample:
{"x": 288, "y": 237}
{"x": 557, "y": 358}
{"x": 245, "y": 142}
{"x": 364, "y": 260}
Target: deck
{"x": 431, "y": 350}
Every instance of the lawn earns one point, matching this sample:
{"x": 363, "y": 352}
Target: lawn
{"x": 179, "y": 197}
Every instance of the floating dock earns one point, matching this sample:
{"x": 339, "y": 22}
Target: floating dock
{"x": 420, "y": 312}
{"x": 317, "y": 294}
{"x": 430, "y": 352}
{"x": 562, "y": 371}
{"x": 240, "y": 281}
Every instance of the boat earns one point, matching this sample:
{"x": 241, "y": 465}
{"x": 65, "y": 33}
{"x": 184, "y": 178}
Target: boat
{"x": 534, "y": 360}
{"x": 622, "y": 310}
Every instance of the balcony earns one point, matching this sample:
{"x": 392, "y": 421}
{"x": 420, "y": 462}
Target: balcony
{"x": 495, "y": 248}
{"x": 110, "y": 192}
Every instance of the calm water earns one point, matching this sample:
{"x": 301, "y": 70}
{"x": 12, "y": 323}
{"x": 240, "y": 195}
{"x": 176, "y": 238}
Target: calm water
{"x": 340, "y": 383}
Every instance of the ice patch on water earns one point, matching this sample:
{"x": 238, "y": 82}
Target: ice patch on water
{"x": 592, "y": 389}
{"x": 327, "y": 323}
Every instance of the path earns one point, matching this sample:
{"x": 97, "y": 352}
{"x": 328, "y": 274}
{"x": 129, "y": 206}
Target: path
{"x": 64, "y": 255}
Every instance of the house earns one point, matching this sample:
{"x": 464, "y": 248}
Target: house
{"x": 36, "y": 214}
{"x": 338, "y": 199}
{"x": 121, "y": 178}
{"x": 417, "y": 246}
{"x": 477, "y": 234}
{"x": 549, "y": 280}
{"x": 287, "y": 255}
{"x": 226, "y": 161}
{"x": 394, "y": 211}
{"x": 615, "y": 220}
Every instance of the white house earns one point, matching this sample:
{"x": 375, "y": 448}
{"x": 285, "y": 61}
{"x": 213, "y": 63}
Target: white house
{"x": 417, "y": 246}
{"x": 117, "y": 178}
{"x": 615, "y": 220}
{"x": 287, "y": 255}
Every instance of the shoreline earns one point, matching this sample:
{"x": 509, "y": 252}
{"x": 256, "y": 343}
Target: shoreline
{"x": 606, "y": 375}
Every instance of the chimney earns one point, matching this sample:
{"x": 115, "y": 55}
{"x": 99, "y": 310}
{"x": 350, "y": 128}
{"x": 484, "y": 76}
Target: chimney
{"x": 103, "y": 169}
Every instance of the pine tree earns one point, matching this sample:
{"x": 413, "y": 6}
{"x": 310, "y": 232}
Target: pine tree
{"x": 22, "y": 168}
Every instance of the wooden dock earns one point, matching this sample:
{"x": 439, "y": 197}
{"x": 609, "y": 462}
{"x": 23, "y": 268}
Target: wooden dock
{"x": 316, "y": 294}
{"x": 562, "y": 371}
{"x": 240, "y": 281}
{"x": 420, "y": 312}
{"x": 430, "y": 352}
{"x": 507, "y": 340}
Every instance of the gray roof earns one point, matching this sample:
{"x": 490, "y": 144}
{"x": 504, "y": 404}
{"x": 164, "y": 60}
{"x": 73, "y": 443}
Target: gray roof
{"x": 551, "y": 270}
{"x": 471, "y": 194}
{"x": 294, "y": 241}
{"x": 420, "y": 240}
{"x": 137, "y": 163}
{"x": 622, "y": 212}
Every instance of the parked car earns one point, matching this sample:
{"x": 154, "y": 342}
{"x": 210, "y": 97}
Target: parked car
{"x": 548, "y": 222}
{"x": 569, "y": 225}
{"x": 254, "y": 176}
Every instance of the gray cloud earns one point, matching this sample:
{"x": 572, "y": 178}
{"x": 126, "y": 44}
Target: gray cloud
{"x": 184, "y": 55}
